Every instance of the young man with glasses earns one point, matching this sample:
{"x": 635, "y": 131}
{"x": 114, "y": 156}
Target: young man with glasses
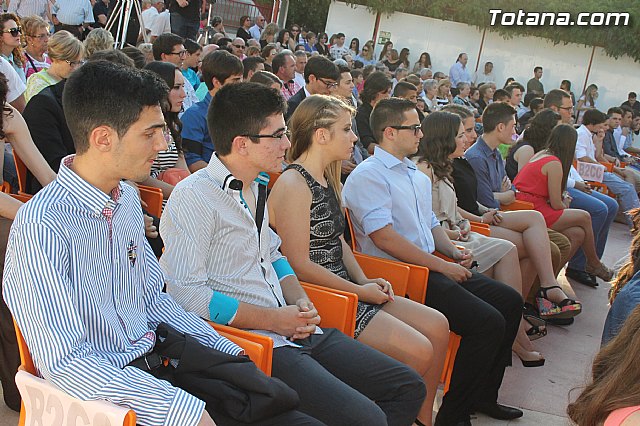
{"x": 218, "y": 68}
{"x": 226, "y": 266}
{"x": 390, "y": 205}
{"x": 321, "y": 78}
{"x": 170, "y": 48}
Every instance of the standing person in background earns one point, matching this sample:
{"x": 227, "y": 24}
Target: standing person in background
{"x": 256, "y": 29}
{"x": 73, "y": 16}
{"x": 404, "y": 58}
{"x": 535, "y": 85}
{"x": 486, "y": 96}
{"x": 243, "y": 29}
{"x": 423, "y": 62}
{"x": 338, "y": 49}
{"x": 36, "y": 32}
{"x": 566, "y": 86}
{"x": 385, "y": 50}
{"x": 586, "y": 102}
{"x": 150, "y": 14}
{"x": 354, "y": 47}
{"x": 458, "y": 72}
{"x": 11, "y": 42}
{"x": 269, "y": 34}
{"x": 321, "y": 45}
{"x": 101, "y": 12}
{"x": 484, "y": 76}
{"x": 25, "y": 8}
{"x": 185, "y": 17}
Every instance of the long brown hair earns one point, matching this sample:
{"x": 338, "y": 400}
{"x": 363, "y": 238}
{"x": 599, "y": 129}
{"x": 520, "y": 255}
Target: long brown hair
{"x": 4, "y": 109}
{"x": 616, "y": 377}
{"x": 633, "y": 264}
{"x": 562, "y": 144}
{"x": 18, "y": 53}
{"x": 316, "y": 112}
{"x": 439, "y": 131}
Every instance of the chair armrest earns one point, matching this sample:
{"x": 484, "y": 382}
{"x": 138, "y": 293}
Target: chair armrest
{"x": 62, "y": 408}
{"x": 394, "y": 272}
{"x": 517, "y": 205}
{"x": 337, "y": 308}
{"x": 259, "y": 348}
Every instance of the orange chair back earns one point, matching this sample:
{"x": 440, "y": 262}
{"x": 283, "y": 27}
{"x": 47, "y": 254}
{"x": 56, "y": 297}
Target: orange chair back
{"x": 517, "y": 205}
{"x": 22, "y": 197}
{"x": 21, "y": 169}
{"x": 6, "y": 188}
{"x": 351, "y": 230}
{"x": 394, "y": 272}
{"x": 336, "y": 308}
{"x": 153, "y": 197}
{"x": 481, "y": 228}
{"x": 258, "y": 348}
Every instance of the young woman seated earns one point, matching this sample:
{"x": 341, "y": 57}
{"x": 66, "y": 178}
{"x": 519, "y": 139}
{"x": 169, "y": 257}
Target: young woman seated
{"x": 543, "y": 182}
{"x": 444, "y": 139}
{"x": 305, "y": 210}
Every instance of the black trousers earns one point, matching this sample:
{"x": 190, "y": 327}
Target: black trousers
{"x": 9, "y": 354}
{"x": 486, "y": 314}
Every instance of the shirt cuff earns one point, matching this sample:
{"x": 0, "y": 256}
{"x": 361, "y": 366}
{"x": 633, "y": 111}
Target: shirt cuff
{"x": 185, "y": 409}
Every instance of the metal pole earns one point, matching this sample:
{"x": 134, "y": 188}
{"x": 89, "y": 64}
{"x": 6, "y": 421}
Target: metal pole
{"x": 586, "y": 78}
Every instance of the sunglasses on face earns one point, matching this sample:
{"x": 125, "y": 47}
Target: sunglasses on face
{"x": 13, "y": 31}
{"x": 238, "y": 46}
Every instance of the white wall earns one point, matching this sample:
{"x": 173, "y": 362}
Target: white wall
{"x": 515, "y": 57}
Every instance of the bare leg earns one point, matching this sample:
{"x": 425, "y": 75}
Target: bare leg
{"x": 580, "y": 218}
{"x": 415, "y": 335}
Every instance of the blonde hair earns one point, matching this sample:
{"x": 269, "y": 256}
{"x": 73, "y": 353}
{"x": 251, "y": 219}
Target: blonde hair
{"x": 270, "y": 30}
{"x": 253, "y": 51}
{"x": 98, "y": 39}
{"x": 317, "y": 112}
{"x": 63, "y": 46}
{"x": 633, "y": 264}
{"x": 32, "y": 24}
{"x": 442, "y": 83}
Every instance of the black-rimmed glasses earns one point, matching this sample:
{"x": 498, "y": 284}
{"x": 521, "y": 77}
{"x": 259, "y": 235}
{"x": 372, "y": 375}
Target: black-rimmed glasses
{"x": 279, "y": 134}
{"x": 181, "y": 53}
{"x": 415, "y": 127}
{"x": 330, "y": 85}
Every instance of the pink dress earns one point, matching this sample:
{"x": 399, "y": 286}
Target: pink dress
{"x": 616, "y": 417}
{"x": 533, "y": 187}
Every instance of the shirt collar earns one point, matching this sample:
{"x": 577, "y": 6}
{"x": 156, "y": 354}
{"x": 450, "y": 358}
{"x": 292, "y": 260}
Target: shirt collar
{"x": 220, "y": 173}
{"x": 93, "y": 198}
{"x": 306, "y": 92}
{"x": 484, "y": 148}
{"x": 389, "y": 160}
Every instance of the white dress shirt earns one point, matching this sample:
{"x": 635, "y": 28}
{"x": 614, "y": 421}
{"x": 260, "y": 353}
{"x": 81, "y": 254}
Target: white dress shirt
{"x": 584, "y": 145}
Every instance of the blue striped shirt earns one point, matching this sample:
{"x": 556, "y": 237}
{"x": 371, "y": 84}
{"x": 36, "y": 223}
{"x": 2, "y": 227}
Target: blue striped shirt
{"x": 73, "y": 12}
{"x": 86, "y": 291}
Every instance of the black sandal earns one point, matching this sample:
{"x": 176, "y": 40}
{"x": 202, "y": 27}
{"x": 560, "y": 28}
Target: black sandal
{"x": 567, "y": 308}
{"x": 538, "y": 326}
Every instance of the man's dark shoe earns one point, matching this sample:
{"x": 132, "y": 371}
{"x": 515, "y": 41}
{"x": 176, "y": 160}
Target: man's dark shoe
{"x": 499, "y": 411}
{"x": 582, "y": 277}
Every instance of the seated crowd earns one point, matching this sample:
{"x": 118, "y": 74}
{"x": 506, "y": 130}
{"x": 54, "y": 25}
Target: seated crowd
{"x": 263, "y": 159}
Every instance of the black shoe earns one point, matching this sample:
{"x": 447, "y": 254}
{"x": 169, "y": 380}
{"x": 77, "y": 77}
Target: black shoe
{"x": 499, "y": 411}
{"x": 582, "y": 277}
{"x": 441, "y": 422}
{"x": 560, "y": 321}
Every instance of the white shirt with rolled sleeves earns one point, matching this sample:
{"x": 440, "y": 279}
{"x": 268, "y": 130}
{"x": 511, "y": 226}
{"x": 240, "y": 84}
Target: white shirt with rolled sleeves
{"x": 383, "y": 191}
{"x": 86, "y": 291}
{"x": 211, "y": 245}
{"x": 15, "y": 83}
{"x": 584, "y": 144}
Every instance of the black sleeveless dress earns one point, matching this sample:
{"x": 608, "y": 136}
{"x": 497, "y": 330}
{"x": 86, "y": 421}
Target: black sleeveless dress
{"x": 327, "y": 223}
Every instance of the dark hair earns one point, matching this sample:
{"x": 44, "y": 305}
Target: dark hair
{"x": 536, "y": 103}
{"x": 555, "y": 97}
{"x": 460, "y": 56}
{"x": 357, "y": 41}
{"x": 500, "y": 94}
{"x": 5, "y": 110}
{"x": 343, "y": 69}
{"x": 377, "y": 82}
{"x": 495, "y": 114}
{"x": 439, "y": 131}
{"x": 402, "y": 88}
{"x": 139, "y": 59}
{"x": 113, "y": 56}
{"x": 167, "y": 72}
{"x": 243, "y": 18}
{"x": 514, "y": 85}
{"x": 321, "y": 67}
{"x": 280, "y": 38}
{"x": 385, "y": 48}
{"x": 614, "y": 110}
{"x": 280, "y": 60}
{"x": 537, "y": 68}
{"x": 632, "y": 95}
{"x": 562, "y": 144}
{"x": 18, "y": 52}
{"x": 253, "y": 102}
{"x": 191, "y": 46}
{"x": 566, "y": 83}
{"x": 388, "y": 112}
{"x": 340, "y": 35}
{"x": 220, "y": 65}
{"x": 540, "y": 127}
{"x": 355, "y": 73}
{"x": 250, "y": 63}
{"x": 593, "y": 116}
{"x": 427, "y": 63}
{"x": 625, "y": 109}
{"x": 404, "y": 57}
{"x": 103, "y": 93}
{"x": 528, "y": 98}
{"x": 265, "y": 78}
{"x": 266, "y": 50}
{"x": 509, "y": 81}
{"x": 164, "y": 44}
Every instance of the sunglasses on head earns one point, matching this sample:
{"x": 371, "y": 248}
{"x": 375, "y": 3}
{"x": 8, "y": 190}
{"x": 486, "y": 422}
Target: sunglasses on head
{"x": 14, "y": 31}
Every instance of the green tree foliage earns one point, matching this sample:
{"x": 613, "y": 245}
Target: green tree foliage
{"x": 616, "y": 40}
{"x": 309, "y": 13}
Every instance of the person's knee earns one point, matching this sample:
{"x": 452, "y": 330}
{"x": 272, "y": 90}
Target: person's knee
{"x": 361, "y": 413}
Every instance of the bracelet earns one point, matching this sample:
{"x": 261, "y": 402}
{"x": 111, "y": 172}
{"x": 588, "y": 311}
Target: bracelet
{"x": 481, "y": 219}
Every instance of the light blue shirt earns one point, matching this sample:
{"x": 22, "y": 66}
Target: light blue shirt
{"x": 86, "y": 291}
{"x": 383, "y": 191}
{"x": 73, "y": 12}
{"x": 625, "y": 302}
{"x": 458, "y": 73}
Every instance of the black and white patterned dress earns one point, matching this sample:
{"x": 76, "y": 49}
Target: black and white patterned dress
{"x": 325, "y": 248}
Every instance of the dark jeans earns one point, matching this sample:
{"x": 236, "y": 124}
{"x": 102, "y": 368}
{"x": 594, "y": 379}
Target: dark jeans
{"x": 486, "y": 313}
{"x": 9, "y": 354}
{"x": 184, "y": 27}
{"x": 341, "y": 381}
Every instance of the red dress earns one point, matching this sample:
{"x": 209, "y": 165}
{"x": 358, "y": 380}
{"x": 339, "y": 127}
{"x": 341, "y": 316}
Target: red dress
{"x": 533, "y": 187}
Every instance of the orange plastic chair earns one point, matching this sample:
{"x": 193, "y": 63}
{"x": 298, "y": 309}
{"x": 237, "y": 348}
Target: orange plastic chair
{"x": 273, "y": 177}
{"x": 21, "y": 169}
{"x": 394, "y": 272}
{"x": 517, "y": 205}
{"x": 481, "y": 228}
{"x": 416, "y": 291}
{"x": 22, "y": 197}
{"x": 259, "y": 348}
{"x": 337, "y": 308}
{"x": 6, "y": 188}
{"x": 153, "y": 197}
{"x": 27, "y": 365}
